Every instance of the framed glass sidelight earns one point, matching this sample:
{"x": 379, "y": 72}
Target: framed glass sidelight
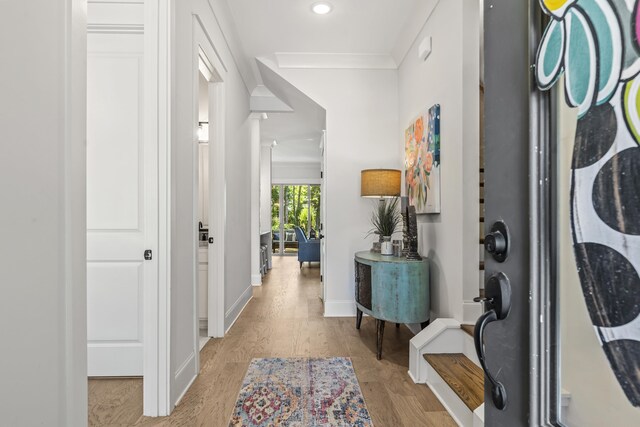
{"x": 585, "y": 252}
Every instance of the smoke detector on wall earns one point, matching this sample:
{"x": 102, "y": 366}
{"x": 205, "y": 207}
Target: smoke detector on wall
{"x": 424, "y": 50}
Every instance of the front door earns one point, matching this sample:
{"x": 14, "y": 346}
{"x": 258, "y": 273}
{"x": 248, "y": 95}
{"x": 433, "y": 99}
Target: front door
{"x": 562, "y": 92}
{"x": 121, "y": 204}
{"x": 507, "y": 126}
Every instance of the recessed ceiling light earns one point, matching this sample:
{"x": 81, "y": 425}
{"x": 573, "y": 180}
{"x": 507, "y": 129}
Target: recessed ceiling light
{"x": 321, "y": 8}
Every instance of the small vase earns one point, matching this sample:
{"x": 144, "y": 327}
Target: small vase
{"x": 386, "y": 248}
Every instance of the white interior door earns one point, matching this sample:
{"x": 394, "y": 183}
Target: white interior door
{"x": 121, "y": 205}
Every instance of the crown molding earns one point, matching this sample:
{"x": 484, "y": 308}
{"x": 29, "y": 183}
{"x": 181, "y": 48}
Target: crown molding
{"x": 360, "y": 61}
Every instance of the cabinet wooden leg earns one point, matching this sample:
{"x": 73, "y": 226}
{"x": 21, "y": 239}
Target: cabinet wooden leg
{"x": 380, "y": 333}
{"x": 397, "y": 325}
{"x": 358, "y": 318}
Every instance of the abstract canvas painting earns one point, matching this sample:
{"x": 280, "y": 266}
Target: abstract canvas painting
{"x": 422, "y": 161}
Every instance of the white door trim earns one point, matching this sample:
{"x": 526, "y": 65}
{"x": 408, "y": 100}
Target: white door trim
{"x": 74, "y": 234}
{"x": 255, "y": 119}
{"x": 323, "y": 218}
{"x": 205, "y": 53}
{"x": 157, "y": 314}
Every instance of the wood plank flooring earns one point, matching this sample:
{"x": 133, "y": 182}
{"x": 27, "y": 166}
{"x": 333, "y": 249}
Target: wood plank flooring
{"x": 284, "y": 319}
{"x": 464, "y": 377}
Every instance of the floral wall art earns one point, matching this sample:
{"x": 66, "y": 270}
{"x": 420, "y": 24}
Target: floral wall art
{"x": 422, "y": 161}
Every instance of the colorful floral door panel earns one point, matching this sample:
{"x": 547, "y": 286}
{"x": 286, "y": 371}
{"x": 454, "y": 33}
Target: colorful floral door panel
{"x": 595, "y": 44}
{"x": 422, "y": 161}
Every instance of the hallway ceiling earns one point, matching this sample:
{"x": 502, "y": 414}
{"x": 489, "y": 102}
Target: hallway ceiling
{"x": 353, "y": 26}
{"x": 299, "y": 132}
{"x": 369, "y": 27}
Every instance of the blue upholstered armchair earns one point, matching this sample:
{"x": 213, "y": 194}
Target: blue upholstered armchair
{"x": 308, "y": 249}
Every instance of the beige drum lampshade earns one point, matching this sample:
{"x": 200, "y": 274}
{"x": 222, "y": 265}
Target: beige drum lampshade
{"x": 380, "y": 183}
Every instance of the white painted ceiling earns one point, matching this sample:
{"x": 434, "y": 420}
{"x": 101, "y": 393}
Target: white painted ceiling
{"x": 353, "y": 26}
{"x": 267, "y": 27}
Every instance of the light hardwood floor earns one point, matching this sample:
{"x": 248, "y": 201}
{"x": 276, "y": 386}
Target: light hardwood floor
{"x": 284, "y": 319}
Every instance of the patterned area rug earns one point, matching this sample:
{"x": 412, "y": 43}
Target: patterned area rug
{"x": 301, "y": 392}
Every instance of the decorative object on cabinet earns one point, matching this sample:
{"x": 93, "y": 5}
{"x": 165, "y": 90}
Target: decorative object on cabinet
{"x": 412, "y": 232}
{"x": 391, "y": 289}
{"x": 422, "y": 161}
{"x": 404, "y": 204}
{"x": 382, "y": 184}
{"x": 385, "y": 220}
{"x": 397, "y": 248}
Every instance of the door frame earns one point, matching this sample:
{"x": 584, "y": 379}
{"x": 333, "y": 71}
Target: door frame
{"x": 323, "y": 216}
{"x": 205, "y": 59}
{"x": 156, "y": 311}
{"x": 543, "y": 389}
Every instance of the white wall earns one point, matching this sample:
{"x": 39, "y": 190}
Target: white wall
{"x": 449, "y": 77}
{"x": 237, "y": 273}
{"x": 296, "y": 173}
{"x": 42, "y": 222}
{"x": 362, "y": 133}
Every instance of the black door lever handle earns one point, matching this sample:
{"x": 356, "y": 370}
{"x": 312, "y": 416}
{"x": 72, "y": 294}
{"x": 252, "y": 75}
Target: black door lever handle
{"x": 498, "y": 304}
{"x": 498, "y": 392}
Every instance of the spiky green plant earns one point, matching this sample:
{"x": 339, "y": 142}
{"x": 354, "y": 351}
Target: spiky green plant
{"x": 386, "y": 218}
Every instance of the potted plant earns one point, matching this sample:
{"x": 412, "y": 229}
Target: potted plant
{"x": 385, "y": 220}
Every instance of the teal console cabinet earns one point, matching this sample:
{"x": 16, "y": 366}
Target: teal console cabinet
{"x": 391, "y": 289}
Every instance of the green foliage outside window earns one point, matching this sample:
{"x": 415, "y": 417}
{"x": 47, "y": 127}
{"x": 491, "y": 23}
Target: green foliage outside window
{"x": 296, "y": 207}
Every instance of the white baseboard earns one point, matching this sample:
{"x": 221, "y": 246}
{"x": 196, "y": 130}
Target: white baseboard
{"x": 414, "y": 379}
{"x": 237, "y": 308}
{"x": 256, "y": 280}
{"x": 184, "y": 376}
{"x": 339, "y": 308}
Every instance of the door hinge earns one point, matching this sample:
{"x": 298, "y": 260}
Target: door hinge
{"x": 321, "y": 278}
{"x": 321, "y": 174}
{"x": 148, "y": 255}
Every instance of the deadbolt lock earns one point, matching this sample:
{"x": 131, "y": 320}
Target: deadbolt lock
{"x": 497, "y": 241}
